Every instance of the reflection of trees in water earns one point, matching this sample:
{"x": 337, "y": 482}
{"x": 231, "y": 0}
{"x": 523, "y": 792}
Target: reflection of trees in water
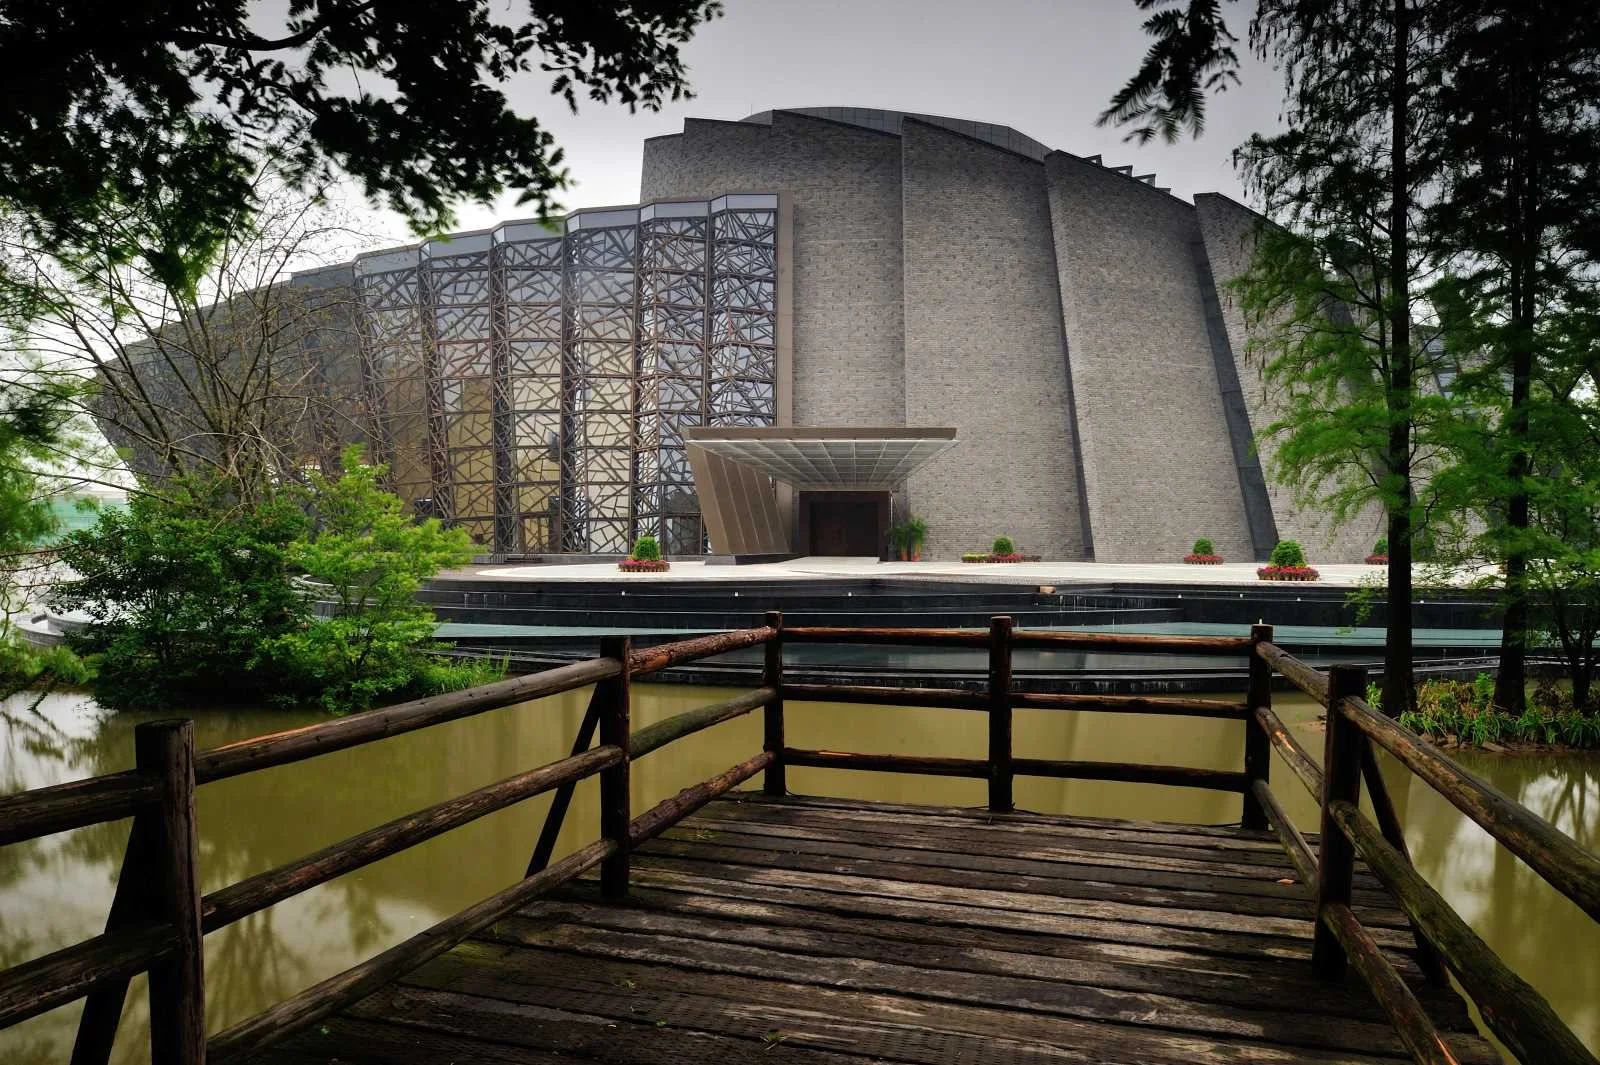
{"x": 262, "y": 820}
{"x": 1539, "y": 933}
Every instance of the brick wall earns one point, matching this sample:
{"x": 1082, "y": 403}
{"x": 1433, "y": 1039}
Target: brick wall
{"x": 984, "y": 349}
{"x": 1158, "y": 462}
{"x": 845, "y": 186}
{"x": 1228, "y": 229}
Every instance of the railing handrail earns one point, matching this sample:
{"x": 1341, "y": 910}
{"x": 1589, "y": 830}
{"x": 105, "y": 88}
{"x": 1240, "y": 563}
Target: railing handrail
{"x": 1522, "y": 1019}
{"x": 161, "y": 798}
{"x": 1561, "y": 861}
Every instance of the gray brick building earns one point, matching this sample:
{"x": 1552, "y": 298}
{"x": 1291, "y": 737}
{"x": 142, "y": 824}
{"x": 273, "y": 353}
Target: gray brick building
{"x": 828, "y": 269}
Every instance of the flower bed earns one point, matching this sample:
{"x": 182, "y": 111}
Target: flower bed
{"x": 1287, "y": 573}
{"x": 973, "y": 556}
{"x": 1203, "y": 560}
{"x": 642, "y": 565}
{"x": 1377, "y": 560}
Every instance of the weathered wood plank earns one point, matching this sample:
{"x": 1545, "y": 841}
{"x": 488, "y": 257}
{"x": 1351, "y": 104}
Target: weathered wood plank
{"x": 1304, "y": 1029}
{"x": 1100, "y": 883}
{"x": 869, "y": 1024}
{"x": 1275, "y": 989}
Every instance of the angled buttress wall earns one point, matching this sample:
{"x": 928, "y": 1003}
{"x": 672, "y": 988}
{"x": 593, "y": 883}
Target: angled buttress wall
{"x": 984, "y": 349}
{"x": 1159, "y": 467}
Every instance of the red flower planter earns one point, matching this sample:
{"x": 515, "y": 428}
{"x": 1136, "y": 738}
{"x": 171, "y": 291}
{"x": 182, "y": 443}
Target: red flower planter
{"x": 636, "y": 565}
{"x": 1203, "y": 560}
{"x": 1377, "y": 560}
{"x": 1287, "y": 573}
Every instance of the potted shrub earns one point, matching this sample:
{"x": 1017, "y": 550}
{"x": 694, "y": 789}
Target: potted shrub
{"x": 897, "y": 541}
{"x": 1380, "y": 553}
{"x": 1204, "y": 553}
{"x": 974, "y": 556}
{"x": 1288, "y": 563}
{"x": 1004, "y": 550}
{"x": 645, "y": 557}
{"x": 916, "y": 531}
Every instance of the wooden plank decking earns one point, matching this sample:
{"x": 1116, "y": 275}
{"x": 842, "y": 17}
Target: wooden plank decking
{"x": 828, "y": 931}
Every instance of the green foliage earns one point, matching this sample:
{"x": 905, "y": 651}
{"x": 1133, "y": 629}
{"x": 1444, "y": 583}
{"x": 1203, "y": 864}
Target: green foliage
{"x": 1192, "y": 54}
{"x": 370, "y": 560}
{"x": 1288, "y": 553}
{"x": 197, "y": 599}
{"x": 189, "y": 595}
{"x": 1003, "y": 546}
{"x": 974, "y": 556}
{"x": 916, "y": 533}
{"x": 1203, "y": 546}
{"x": 646, "y": 549}
{"x": 112, "y": 109}
{"x": 897, "y": 536}
{"x": 1381, "y": 548}
{"x": 1466, "y": 712}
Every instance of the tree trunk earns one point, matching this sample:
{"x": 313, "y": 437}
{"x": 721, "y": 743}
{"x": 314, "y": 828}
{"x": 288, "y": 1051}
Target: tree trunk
{"x": 1399, "y": 689}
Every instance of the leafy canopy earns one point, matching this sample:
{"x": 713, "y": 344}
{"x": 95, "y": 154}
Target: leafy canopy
{"x": 369, "y": 559}
{"x": 113, "y": 103}
{"x": 187, "y": 592}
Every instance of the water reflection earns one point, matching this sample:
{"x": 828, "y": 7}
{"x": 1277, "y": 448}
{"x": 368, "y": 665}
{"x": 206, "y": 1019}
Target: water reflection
{"x": 55, "y": 891}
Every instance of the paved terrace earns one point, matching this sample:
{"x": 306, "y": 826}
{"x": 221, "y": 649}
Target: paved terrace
{"x": 816, "y": 568}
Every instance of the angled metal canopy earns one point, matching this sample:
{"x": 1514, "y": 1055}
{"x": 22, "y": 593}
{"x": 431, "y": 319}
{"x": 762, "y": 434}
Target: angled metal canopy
{"x": 845, "y": 459}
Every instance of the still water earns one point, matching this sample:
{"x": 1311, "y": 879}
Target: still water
{"x": 55, "y": 891}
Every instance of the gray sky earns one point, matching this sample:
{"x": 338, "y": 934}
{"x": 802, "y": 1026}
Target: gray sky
{"x": 1045, "y": 67}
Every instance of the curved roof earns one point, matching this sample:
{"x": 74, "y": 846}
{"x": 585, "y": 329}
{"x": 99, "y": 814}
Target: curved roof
{"x": 889, "y": 122}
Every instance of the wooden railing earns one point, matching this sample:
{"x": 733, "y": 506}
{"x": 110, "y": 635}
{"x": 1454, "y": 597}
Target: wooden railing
{"x": 158, "y": 916}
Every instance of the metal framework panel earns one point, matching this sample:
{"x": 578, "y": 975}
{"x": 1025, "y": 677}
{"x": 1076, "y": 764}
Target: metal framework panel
{"x": 533, "y": 384}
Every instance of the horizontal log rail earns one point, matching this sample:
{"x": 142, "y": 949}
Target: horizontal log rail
{"x": 158, "y": 914}
{"x": 40, "y": 985}
{"x": 59, "y": 807}
{"x": 666, "y": 655}
{"x": 1176, "y": 776}
{"x": 294, "y": 745}
{"x": 1308, "y": 679}
{"x": 323, "y": 999}
{"x": 887, "y": 763}
{"x": 1510, "y": 1006}
{"x": 1563, "y": 863}
{"x": 1163, "y": 705}
{"x": 233, "y": 903}
{"x": 654, "y": 737}
{"x": 937, "y": 698}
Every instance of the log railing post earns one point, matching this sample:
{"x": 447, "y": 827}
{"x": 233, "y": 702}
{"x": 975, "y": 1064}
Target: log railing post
{"x": 1000, "y": 772}
{"x": 1341, "y": 780}
{"x": 1257, "y": 745}
{"x": 775, "y": 781}
{"x": 177, "y": 984}
{"x": 615, "y": 810}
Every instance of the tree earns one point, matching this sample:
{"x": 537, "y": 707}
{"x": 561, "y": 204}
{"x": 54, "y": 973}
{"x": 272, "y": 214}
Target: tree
{"x": 1332, "y": 296}
{"x": 369, "y": 560}
{"x": 187, "y": 592}
{"x": 229, "y": 379}
{"x": 111, "y": 105}
{"x": 1519, "y": 222}
{"x": 36, "y": 414}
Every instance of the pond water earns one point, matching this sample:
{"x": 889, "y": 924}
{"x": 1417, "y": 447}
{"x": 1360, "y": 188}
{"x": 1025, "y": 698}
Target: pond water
{"x": 55, "y": 891}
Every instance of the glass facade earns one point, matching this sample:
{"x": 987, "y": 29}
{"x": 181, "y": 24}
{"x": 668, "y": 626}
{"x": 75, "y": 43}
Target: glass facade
{"x": 531, "y": 385}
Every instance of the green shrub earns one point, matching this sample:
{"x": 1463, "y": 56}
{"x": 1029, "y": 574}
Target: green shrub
{"x": 1003, "y": 546}
{"x": 973, "y": 556}
{"x": 897, "y": 537}
{"x": 1288, "y": 553}
{"x": 916, "y": 532}
{"x": 372, "y": 560}
{"x": 188, "y": 594}
{"x": 1381, "y": 548}
{"x": 646, "y": 549}
{"x": 1203, "y": 546}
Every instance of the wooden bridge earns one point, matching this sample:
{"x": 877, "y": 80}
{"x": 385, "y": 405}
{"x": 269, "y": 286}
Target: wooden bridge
{"x": 731, "y": 925}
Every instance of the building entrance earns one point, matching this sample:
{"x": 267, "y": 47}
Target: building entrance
{"x": 844, "y": 523}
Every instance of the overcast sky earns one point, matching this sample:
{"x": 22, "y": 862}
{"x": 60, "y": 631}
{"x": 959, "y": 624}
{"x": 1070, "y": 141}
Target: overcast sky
{"x": 1045, "y": 67}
